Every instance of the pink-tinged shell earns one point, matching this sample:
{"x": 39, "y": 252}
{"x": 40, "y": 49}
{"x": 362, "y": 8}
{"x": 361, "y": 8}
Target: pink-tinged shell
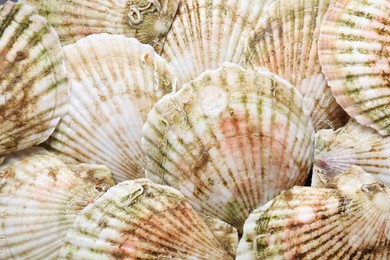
{"x": 115, "y": 83}
{"x": 40, "y": 197}
{"x": 348, "y": 220}
{"x": 353, "y": 144}
{"x": 206, "y": 33}
{"x": 285, "y": 42}
{"x": 354, "y": 54}
{"x": 34, "y": 89}
{"x": 230, "y": 140}
{"x": 141, "y": 220}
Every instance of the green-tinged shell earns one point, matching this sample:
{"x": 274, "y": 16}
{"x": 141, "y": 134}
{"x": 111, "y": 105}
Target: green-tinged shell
{"x": 353, "y": 144}
{"x": 230, "y": 141}
{"x": 285, "y": 42}
{"x": 115, "y": 83}
{"x": 354, "y": 53}
{"x": 33, "y": 85}
{"x": 206, "y": 33}
{"x": 226, "y": 234}
{"x": 140, "y": 219}
{"x": 349, "y": 220}
{"x": 146, "y": 20}
{"x": 40, "y": 197}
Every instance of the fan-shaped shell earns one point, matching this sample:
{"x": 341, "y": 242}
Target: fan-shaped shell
{"x": 146, "y": 20}
{"x": 349, "y": 221}
{"x": 140, "y": 219}
{"x": 207, "y": 33}
{"x": 285, "y": 42}
{"x": 354, "y": 54}
{"x": 33, "y": 85}
{"x": 353, "y": 144}
{"x": 115, "y": 81}
{"x": 39, "y": 199}
{"x": 229, "y": 141}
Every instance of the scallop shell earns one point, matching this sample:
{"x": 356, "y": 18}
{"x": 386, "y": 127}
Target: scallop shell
{"x": 229, "y": 141}
{"x": 33, "y": 85}
{"x": 354, "y": 54}
{"x": 353, "y": 144}
{"x": 146, "y": 20}
{"x": 285, "y": 42}
{"x": 39, "y": 199}
{"x": 206, "y": 33}
{"x": 115, "y": 81}
{"x": 349, "y": 221}
{"x": 140, "y": 219}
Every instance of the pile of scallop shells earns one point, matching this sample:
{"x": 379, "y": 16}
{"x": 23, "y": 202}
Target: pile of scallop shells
{"x": 188, "y": 129}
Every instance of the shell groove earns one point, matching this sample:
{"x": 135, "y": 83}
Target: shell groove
{"x": 285, "y": 42}
{"x": 351, "y": 220}
{"x": 354, "y": 53}
{"x": 207, "y": 33}
{"x": 146, "y": 20}
{"x": 39, "y": 199}
{"x": 115, "y": 81}
{"x": 353, "y": 144}
{"x": 34, "y": 88}
{"x": 140, "y": 219}
{"x": 229, "y": 141}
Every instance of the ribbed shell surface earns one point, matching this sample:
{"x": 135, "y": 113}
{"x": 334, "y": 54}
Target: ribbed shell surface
{"x": 354, "y": 53}
{"x": 34, "y": 89}
{"x": 115, "y": 81}
{"x": 207, "y": 33}
{"x": 39, "y": 199}
{"x": 349, "y": 221}
{"x": 146, "y": 20}
{"x": 230, "y": 141}
{"x": 353, "y": 144}
{"x": 141, "y": 220}
{"x": 285, "y": 42}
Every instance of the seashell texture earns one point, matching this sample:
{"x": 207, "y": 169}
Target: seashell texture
{"x": 229, "y": 141}
{"x": 39, "y": 199}
{"x": 285, "y": 42}
{"x": 351, "y": 220}
{"x": 33, "y": 85}
{"x": 354, "y": 53}
{"x": 140, "y": 219}
{"x": 353, "y": 144}
{"x": 206, "y": 33}
{"x": 115, "y": 81}
{"x": 146, "y": 20}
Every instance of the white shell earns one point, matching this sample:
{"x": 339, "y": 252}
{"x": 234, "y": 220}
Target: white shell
{"x": 285, "y": 42}
{"x": 39, "y": 199}
{"x": 349, "y": 220}
{"x": 34, "y": 88}
{"x": 353, "y": 144}
{"x": 354, "y": 54}
{"x": 115, "y": 81}
{"x": 146, "y": 20}
{"x": 207, "y": 33}
{"x": 140, "y": 219}
{"x": 230, "y": 141}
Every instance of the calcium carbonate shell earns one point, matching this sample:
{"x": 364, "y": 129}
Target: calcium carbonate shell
{"x": 207, "y": 33}
{"x": 285, "y": 42}
{"x": 354, "y": 54}
{"x": 353, "y": 144}
{"x": 146, "y": 20}
{"x": 230, "y": 141}
{"x": 34, "y": 88}
{"x": 141, "y": 220}
{"x": 39, "y": 199}
{"x": 348, "y": 220}
{"x": 115, "y": 81}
